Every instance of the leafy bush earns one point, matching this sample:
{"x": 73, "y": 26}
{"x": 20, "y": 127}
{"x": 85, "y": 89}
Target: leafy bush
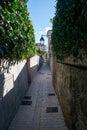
{"x": 69, "y": 35}
{"x": 40, "y": 52}
{"x": 17, "y": 40}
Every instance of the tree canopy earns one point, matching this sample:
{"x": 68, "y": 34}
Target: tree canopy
{"x": 69, "y": 36}
{"x": 17, "y": 40}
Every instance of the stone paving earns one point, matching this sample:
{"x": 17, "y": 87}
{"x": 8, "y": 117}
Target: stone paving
{"x": 37, "y": 115}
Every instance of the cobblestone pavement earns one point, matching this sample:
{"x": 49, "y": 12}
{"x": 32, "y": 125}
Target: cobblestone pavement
{"x": 43, "y": 111}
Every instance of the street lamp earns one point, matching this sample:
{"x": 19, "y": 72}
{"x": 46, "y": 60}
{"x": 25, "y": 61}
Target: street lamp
{"x": 42, "y": 43}
{"x": 42, "y": 40}
{"x": 42, "y": 46}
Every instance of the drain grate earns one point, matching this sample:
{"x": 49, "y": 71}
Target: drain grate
{"x": 47, "y": 78}
{"x": 51, "y": 94}
{"x": 41, "y": 72}
{"x": 51, "y": 109}
{"x": 27, "y": 97}
{"x": 49, "y": 74}
{"x": 26, "y": 102}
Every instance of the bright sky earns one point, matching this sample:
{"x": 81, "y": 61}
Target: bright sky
{"x": 40, "y": 13}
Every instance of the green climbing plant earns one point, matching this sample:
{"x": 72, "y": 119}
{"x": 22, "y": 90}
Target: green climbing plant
{"x": 69, "y": 36}
{"x": 17, "y": 40}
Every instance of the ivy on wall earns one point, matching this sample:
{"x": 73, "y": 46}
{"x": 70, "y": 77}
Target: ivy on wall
{"x": 17, "y": 40}
{"x": 69, "y": 36}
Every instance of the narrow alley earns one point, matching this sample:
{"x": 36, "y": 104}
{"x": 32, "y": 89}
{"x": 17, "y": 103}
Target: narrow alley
{"x": 40, "y": 109}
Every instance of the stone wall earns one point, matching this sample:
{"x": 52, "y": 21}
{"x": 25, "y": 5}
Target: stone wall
{"x": 13, "y": 86}
{"x": 70, "y": 84}
{"x": 34, "y": 63}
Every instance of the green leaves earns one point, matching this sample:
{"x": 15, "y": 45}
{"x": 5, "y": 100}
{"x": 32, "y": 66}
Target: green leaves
{"x": 16, "y": 31}
{"x": 70, "y": 28}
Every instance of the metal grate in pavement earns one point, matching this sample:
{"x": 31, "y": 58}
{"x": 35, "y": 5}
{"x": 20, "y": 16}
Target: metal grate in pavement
{"x": 24, "y": 102}
{"x": 51, "y": 109}
{"x": 41, "y": 72}
{"x": 51, "y": 94}
{"x": 49, "y": 74}
{"x": 27, "y": 97}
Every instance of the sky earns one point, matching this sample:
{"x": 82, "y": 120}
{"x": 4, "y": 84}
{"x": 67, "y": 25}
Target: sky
{"x": 40, "y": 13}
